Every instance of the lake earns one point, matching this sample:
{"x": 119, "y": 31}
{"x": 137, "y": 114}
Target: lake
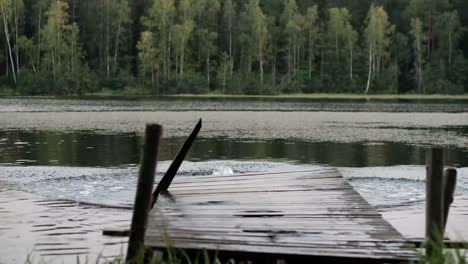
{"x": 59, "y": 156}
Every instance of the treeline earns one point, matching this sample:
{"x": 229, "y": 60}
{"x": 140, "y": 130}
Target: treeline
{"x": 234, "y": 46}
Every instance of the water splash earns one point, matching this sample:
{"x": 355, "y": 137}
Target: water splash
{"x": 116, "y": 186}
{"x": 395, "y": 186}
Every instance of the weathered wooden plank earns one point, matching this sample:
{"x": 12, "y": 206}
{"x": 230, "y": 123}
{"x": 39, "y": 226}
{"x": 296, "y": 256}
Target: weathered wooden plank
{"x": 321, "y": 174}
{"x": 310, "y": 213}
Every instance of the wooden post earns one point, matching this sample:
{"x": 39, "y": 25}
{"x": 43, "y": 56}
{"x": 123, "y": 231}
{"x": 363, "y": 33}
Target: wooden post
{"x": 144, "y": 190}
{"x": 450, "y": 182}
{"x": 434, "y": 199}
{"x": 166, "y": 180}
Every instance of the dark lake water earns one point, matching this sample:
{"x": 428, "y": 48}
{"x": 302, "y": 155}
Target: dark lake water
{"x": 379, "y": 145}
{"x": 89, "y": 151}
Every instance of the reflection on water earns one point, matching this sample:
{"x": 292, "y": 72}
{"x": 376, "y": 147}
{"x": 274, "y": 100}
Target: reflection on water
{"x": 89, "y": 149}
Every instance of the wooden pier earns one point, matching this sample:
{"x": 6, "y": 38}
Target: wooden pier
{"x": 292, "y": 215}
{"x": 297, "y": 217}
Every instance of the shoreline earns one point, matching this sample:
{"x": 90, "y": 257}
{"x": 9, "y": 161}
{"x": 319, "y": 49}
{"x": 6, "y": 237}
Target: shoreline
{"x": 312, "y": 96}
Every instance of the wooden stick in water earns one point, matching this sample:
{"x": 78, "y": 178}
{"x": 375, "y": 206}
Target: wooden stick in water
{"x": 175, "y": 165}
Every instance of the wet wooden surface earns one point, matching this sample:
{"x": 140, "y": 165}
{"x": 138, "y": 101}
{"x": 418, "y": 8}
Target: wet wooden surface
{"x": 311, "y": 214}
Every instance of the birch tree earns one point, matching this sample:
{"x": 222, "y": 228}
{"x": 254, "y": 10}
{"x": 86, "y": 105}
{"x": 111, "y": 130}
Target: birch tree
{"x": 292, "y": 22}
{"x": 120, "y": 27}
{"x": 229, "y": 14}
{"x": 148, "y": 56}
{"x": 54, "y": 35}
{"x": 311, "y": 28}
{"x": 418, "y": 42}
{"x": 378, "y": 35}
{"x": 182, "y": 33}
{"x": 41, "y": 7}
{"x": 449, "y": 30}
{"x": 342, "y": 37}
{"x": 160, "y": 21}
{"x": 6, "y": 10}
{"x": 258, "y": 31}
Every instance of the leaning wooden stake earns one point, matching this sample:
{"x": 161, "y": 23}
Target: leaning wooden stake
{"x": 143, "y": 197}
{"x": 434, "y": 199}
{"x": 450, "y": 182}
{"x": 166, "y": 180}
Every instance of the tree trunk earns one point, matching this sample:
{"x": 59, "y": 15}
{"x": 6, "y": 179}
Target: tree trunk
{"x": 116, "y": 52}
{"x": 450, "y": 49}
{"x": 16, "y": 40}
{"x": 164, "y": 59}
{"x": 177, "y": 59}
{"x": 231, "y": 60}
{"x": 224, "y": 77}
{"x": 273, "y": 71}
{"x": 369, "y": 77}
{"x": 289, "y": 60}
{"x": 39, "y": 39}
{"x": 169, "y": 50}
{"x": 310, "y": 54}
{"x": 208, "y": 69}
{"x": 152, "y": 75}
{"x": 336, "y": 47}
{"x": 241, "y": 59}
{"x": 182, "y": 58}
{"x": 420, "y": 81}
{"x": 7, "y": 63}
{"x": 7, "y": 36}
{"x": 351, "y": 63}
{"x": 60, "y": 48}
{"x": 73, "y": 57}
{"x": 321, "y": 64}
{"x": 53, "y": 64}
{"x": 260, "y": 59}
{"x": 299, "y": 57}
{"x": 107, "y": 40}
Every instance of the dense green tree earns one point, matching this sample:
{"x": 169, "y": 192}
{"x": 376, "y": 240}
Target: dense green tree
{"x": 244, "y": 46}
{"x": 160, "y": 21}
{"x": 339, "y": 40}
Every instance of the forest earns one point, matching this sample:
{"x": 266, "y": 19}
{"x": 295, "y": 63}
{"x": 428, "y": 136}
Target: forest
{"x": 161, "y": 47}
